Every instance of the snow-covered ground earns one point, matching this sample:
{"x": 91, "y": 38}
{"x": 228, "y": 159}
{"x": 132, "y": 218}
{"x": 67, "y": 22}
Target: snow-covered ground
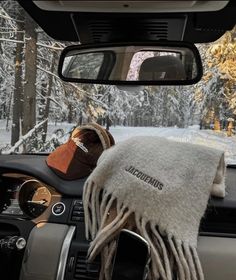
{"x": 209, "y": 138}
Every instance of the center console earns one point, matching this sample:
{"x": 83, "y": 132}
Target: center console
{"x": 59, "y": 251}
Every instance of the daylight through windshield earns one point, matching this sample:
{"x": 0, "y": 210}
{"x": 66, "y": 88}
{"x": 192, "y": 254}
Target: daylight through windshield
{"x": 38, "y": 111}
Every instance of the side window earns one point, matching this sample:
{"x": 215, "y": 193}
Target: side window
{"x": 141, "y": 56}
{"x": 137, "y": 60}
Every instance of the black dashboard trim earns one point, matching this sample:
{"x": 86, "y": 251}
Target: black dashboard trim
{"x": 35, "y": 166}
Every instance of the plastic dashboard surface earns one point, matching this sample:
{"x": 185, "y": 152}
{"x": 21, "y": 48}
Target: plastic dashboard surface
{"x": 35, "y": 165}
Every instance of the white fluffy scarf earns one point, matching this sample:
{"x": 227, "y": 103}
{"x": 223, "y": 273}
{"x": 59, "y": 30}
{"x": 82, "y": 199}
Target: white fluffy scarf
{"x": 160, "y": 189}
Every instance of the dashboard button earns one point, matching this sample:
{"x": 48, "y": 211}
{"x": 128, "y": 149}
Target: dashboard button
{"x": 78, "y": 208}
{"x": 78, "y": 202}
{"x": 78, "y": 214}
{"x": 58, "y": 208}
{"x": 78, "y": 219}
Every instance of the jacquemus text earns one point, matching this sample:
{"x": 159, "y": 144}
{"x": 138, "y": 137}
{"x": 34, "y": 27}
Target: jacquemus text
{"x": 140, "y": 175}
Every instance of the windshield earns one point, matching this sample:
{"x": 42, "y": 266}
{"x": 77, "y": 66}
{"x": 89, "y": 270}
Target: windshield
{"x": 38, "y": 111}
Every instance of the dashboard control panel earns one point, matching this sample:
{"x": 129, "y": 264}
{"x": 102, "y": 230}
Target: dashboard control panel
{"x": 25, "y": 197}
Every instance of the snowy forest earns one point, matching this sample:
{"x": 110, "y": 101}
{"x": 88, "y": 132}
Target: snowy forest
{"x": 32, "y": 96}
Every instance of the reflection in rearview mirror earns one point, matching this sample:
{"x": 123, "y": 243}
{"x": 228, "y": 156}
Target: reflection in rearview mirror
{"x": 83, "y": 66}
{"x": 151, "y": 65}
{"x": 131, "y": 65}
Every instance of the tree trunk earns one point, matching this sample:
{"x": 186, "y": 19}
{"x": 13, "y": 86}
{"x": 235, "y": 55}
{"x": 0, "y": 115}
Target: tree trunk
{"x": 70, "y": 113}
{"x": 8, "y": 110}
{"x": 216, "y": 119}
{"x": 216, "y": 124}
{"x": 230, "y": 129}
{"x": 164, "y": 110}
{"x": 108, "y": 120}
{"x": 18, "y": 89}
{"x": 29, "y": 110}
{"x": 47, "y": 107}
{"x": 80, "y": 118}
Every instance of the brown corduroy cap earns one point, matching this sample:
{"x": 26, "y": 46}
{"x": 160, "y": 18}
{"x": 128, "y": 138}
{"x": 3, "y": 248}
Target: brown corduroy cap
{"x": 78, "y": 157}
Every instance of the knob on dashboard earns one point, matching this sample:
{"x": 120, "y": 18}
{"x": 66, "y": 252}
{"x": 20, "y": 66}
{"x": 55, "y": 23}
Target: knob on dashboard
{"x": 12, "y": 243}
{"x": 20, "y": 243}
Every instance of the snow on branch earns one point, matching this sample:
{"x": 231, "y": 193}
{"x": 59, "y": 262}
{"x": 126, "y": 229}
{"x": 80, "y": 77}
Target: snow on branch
{"x": 7, "y": 62}
{"x": 11, "y": 31}
{"x": 25, "y": 137}
{"x": 90, "y": 97}
{"x": 77, "y": 88}
{"x": 48, "y": 72}
{"x": 9, "y": 18}
{"x": 4, "y": 15}
{"x": 10, "y": 40}
{"x": 50, "y": 47}
{"x": 53, "y": 100}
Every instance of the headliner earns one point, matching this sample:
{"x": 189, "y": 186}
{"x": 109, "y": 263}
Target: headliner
{"x": 199, "y": 27}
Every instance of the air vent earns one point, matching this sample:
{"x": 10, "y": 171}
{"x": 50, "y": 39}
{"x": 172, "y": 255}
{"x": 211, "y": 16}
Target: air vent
{"x": 85, "y": 270}
{"x": 156, "y": 29}
{"x": 77, "y": 214}
{"x": 102, "y": 31}
{"x": 119, "y": 28}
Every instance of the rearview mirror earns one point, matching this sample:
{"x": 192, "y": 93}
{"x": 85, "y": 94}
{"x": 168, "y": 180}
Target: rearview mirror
{"x": 159, "y": 63}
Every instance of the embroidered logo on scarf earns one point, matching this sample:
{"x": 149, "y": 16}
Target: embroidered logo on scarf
{"x": 148, "y": 179}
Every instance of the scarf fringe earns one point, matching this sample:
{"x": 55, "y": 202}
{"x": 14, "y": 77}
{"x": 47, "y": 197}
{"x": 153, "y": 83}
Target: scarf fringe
{"x": 170, "y": 258}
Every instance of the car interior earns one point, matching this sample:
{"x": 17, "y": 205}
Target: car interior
{"x": 42, "y": 218}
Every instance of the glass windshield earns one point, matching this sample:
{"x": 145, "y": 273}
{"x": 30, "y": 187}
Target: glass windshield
{"x": 38, "y": 111}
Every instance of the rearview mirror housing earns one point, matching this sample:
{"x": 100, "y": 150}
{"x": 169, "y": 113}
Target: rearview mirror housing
{"x": 152, "y": 63}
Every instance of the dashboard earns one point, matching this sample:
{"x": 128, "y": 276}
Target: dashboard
{"x": 47, "y": 212}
